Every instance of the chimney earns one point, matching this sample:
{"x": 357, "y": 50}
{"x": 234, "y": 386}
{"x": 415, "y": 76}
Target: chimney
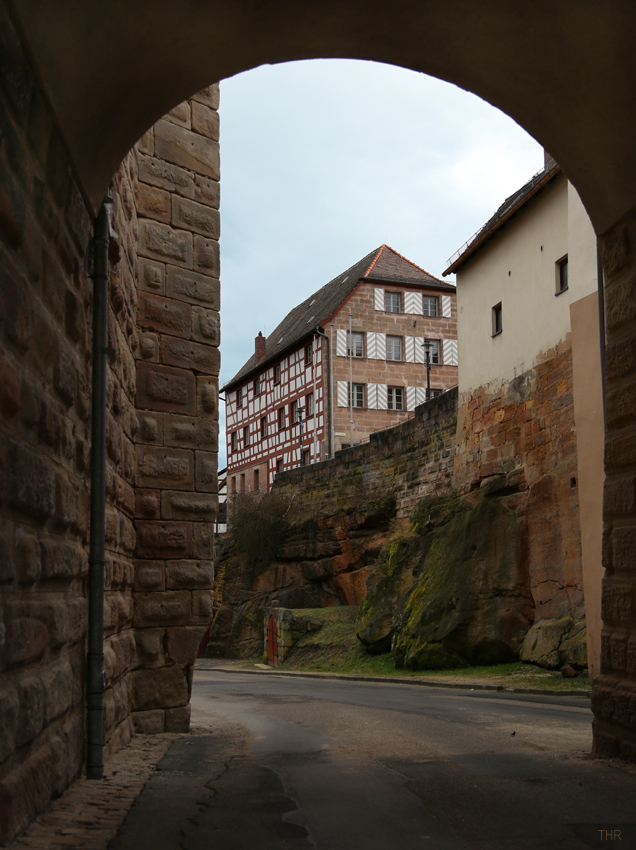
{"x": 260, "y": 348}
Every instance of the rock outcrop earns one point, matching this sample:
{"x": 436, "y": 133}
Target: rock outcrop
{"x": 296, "y": 561}
{"x": 457, "y": 589}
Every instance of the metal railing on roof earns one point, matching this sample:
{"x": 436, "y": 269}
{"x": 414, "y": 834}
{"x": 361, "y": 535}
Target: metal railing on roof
{"x": 530, "y": 185}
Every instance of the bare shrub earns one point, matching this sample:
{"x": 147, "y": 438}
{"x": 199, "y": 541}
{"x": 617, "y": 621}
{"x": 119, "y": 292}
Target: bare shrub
{"x": 257, "y": 522}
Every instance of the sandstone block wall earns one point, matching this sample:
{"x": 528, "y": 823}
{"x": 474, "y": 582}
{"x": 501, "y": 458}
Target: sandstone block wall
{"x": 177, "y": 366}
{"x": 614, "y": 700}
{"x": 411, "y": 460}
{"x": 45, "y": 368}
{"x": 161, "y": 403}
{"x": 528, "y": 425}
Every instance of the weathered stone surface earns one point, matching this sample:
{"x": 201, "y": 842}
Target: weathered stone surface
{"x": 206, "y": 326}
{"x": 9, "y": 714}
{"x": 469, "y": 604}
{"x": 149, "y": 648}
{"x": 150, "y": 575}
{"x": 150, "y": 428}
{"x": 62, "y": 561}
{"x": 164, "y": 467}
{"x": 187, "y": 149}
{"x": 158, "y": 540}
{"x": 160, "y": 242}
{"x": 205, "y": 120}
{"x": 32, "y": 698}
{"x": 148, "y": 504}
{"x": 178, "y": 719}
{"x": 30, "y": 482}
{"x": 191, "y": 432}
{"x": 206, "y": 465}
{"x": 151, "y": 722}
{"x": 193, "y": 287}
{"x": 58, "y": 681}
{"x": 164, "y": 315}
{"x": 207, "y": 396}
{"x": 10, "y": 399}
{"x": 195, "y": 217}
{"x": 190, "y": 355}
{"x": 207, "y": 191}
{"x": 152, "y": 276}
{"x": 162, "y": 609}
{"x": 153, "y": 202}
{"x": 165, "y": 388}
{"x": 208, "y": 96}
{"x": 201, "y": 607}
{"x": 189, "y": 575}
{"x": 194, "y": 506}
{"x": 182, "y": 644}
{"x": 26, "y": 636}
{"x": 162, "y": 688}
{"x": 24, "y": 793}
{"x": 542, "y": 642}
{"x": 207, "y": 258}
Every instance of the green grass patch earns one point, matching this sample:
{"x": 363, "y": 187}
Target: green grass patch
{"x": 335, "y": 649}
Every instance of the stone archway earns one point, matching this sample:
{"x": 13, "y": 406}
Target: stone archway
{"x": 82, "y": 82}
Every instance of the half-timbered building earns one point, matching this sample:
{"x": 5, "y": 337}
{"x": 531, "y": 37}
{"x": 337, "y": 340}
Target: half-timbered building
{"x": 349, "y": 360}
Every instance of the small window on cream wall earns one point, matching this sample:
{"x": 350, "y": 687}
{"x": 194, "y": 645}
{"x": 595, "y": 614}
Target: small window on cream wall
{"x": 562, "y": 283}
{"x": 497, "y": 320}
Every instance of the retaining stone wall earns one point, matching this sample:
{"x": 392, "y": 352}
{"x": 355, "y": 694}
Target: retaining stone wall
{"x": 411, "y": 460}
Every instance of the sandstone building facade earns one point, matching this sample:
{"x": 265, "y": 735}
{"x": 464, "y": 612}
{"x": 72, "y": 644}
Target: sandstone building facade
{"x": 348, "y": 361}
{"x": 530, "y": 389}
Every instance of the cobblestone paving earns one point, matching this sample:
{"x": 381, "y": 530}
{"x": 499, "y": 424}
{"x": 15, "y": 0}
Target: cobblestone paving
{"x": 90, "y": 812}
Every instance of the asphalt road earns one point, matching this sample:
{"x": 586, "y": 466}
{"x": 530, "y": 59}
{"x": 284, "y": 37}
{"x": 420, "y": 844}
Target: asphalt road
{"x": 304, "y": 763}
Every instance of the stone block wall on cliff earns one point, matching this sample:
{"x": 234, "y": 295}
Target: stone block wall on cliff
{"x": 177, "y": 199}
{"x": 411, "y": 460}
{"x": 527, "y": 424}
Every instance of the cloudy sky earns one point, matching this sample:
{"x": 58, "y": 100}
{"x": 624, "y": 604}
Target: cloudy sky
{"x": 323, "y": 161}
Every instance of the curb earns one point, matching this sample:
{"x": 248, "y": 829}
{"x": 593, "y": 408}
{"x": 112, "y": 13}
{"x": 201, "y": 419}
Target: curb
{"x": 396, "y": 680}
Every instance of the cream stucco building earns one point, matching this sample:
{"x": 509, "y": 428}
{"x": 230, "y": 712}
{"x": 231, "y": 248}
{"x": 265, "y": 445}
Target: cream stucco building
{"x": 530, "y": 394}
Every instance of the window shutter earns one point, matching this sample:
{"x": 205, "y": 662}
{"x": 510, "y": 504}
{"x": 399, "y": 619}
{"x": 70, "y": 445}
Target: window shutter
{"x": 413, "y": 303}
{"x": 372, "y": 396}
{"x": 343, "y": 400}
{"x": 378, "y": 295}
{"x": 450, "y": 352}
{"x": 382, "y": 397}
{"x": 418, "y": 344}
{"x": 410, "y": 398}
{"x": 376, "y": 346}
{"x": 446, "y": 306}
{"x": 409, "y": 349}
{"x": 420, "y": 395}
{"x": 341, "y": 342}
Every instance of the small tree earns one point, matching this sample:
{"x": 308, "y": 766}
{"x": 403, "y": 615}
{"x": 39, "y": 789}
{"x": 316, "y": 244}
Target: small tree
{"x": 256, "y": 524}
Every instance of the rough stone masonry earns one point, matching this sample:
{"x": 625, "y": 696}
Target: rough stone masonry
{"x": 161, "y": 434}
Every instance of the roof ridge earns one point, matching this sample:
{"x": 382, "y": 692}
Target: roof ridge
{"x": 411, "y": 263}
{"x": 378, "y": 254}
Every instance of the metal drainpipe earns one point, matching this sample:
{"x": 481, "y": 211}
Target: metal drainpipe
{"x": 601, "y": 316}
{"x": 95, "y": 659}
{"x": 329, "y": 405}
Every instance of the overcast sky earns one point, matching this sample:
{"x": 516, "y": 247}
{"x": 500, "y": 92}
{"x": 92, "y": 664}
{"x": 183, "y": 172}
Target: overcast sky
{"x": 324, "y": 161}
